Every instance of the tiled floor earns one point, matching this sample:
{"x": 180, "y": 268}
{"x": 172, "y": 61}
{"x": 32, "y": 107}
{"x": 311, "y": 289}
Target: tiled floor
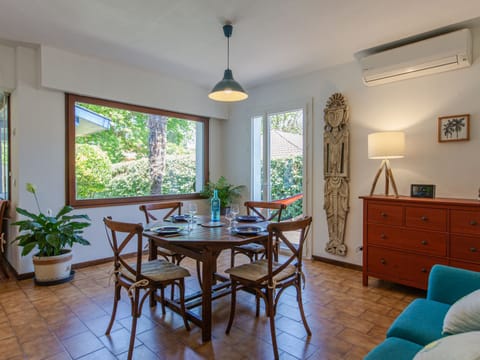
{"x": 68, "y": 321}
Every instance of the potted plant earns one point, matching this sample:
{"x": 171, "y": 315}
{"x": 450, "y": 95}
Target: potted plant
{"x": 226, "y": 192}
{"x": 52, "y": 236}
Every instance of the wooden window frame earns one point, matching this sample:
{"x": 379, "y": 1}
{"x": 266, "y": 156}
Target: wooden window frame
{"x": 70, "y": 100}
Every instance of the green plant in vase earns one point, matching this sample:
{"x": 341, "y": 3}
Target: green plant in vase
{"x": 227, "y": 192}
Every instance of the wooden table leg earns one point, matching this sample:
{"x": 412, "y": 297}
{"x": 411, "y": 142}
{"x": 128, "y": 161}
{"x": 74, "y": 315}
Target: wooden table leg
{"x": 207, "y": 276}
{"x": 152, "y": 255}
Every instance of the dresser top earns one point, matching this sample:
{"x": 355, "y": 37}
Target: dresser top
{"x": 416, "y": 200}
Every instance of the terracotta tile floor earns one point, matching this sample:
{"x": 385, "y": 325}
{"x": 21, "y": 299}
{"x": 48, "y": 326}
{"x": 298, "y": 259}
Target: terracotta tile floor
{"x": 68, "y": 321}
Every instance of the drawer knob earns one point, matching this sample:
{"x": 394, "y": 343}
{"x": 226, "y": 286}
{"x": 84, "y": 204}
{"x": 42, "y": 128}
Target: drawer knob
{"x": 424, "y": 218}
{"x": 473, "y": 222}
{"x": 383, "y": 214}
{"x": 424, "y": 242}
{"x": 472, "y": 249}
{"x": 382, "y": 260}
{"x": 383, "y": 236}
{"x": 423, "y": 270}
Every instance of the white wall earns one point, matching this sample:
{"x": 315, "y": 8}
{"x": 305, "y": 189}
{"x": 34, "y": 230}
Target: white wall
{"x": 38, "y": 80}
{"x": 411, "y": 105}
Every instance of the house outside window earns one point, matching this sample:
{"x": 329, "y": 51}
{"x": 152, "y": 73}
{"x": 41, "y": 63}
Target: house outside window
{"x": 121, "y": 153}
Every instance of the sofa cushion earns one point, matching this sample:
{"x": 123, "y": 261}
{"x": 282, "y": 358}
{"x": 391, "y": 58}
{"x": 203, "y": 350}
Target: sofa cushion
{"x": 464, "y": 315}
{"x": 420, "y": 322}
{"x": 461, "y": 346}
{"x": 394, "y": 349}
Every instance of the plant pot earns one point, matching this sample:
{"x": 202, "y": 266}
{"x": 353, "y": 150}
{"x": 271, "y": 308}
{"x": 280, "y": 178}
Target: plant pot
{"x": 50, "y": 270}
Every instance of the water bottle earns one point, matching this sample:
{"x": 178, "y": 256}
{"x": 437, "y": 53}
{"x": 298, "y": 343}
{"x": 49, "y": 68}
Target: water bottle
{"x": 215, "y": 206}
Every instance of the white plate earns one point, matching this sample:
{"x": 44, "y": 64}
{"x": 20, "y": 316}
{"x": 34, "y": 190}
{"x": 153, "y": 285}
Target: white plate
{"x": 166, "y": 229}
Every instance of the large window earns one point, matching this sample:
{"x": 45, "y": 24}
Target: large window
{"x": 121, "y": 153}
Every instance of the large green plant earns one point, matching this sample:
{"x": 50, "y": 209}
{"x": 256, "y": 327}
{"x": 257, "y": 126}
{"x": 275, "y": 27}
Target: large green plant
{"x": 226, "y": 191}
{"x": 51, "y": 234}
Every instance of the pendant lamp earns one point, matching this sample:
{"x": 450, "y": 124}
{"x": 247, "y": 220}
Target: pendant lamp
{"x": 227, "y": 89}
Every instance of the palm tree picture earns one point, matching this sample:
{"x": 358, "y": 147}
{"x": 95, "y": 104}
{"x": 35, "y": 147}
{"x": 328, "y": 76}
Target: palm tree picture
{"x": 453, "y": 128}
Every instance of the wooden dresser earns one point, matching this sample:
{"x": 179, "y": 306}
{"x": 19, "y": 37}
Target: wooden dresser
{"x": 404, "y": 237}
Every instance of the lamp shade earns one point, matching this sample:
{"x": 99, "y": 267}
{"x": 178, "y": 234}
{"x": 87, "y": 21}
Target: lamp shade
{"x": 228, "y": 89}
{"x": 386, "y": 145}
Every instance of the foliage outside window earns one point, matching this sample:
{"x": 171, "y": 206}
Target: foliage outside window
{"x": 121, "y": 153}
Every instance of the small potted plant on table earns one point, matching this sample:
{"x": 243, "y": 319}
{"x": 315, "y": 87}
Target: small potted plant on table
{"x": 226, "y": 192}
{"x": 53, "y": 236}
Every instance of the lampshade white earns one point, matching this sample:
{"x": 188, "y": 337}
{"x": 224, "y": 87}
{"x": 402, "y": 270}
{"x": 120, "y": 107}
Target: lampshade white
{"x": 386, "y": 145}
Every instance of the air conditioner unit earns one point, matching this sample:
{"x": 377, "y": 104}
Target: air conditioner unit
{"x": 441, "y": 53}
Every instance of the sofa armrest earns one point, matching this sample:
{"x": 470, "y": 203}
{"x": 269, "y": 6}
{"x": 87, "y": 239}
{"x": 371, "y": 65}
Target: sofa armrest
{"x": 447, "y": 284}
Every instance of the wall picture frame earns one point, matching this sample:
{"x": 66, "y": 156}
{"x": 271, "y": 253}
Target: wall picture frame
{"x": 422, "y": 191}
{"x": 454, "y": 128}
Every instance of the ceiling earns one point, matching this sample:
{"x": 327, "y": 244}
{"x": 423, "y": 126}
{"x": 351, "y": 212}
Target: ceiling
{"x": 272, "y": 39}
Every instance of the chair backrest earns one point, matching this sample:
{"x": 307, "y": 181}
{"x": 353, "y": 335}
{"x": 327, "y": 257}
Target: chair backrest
{"x": 276, "y": 234}
{"x": 119, "y": 235}
{"x": 171, "y": 206}
{"x": 274, "y": 209}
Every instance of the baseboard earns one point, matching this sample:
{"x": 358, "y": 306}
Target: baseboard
{"x": 79, "y": 265}
{"x": 337, "y": 263}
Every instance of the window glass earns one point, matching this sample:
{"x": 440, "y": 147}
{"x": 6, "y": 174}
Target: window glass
{"x": 4, "y": 146}
{"x": 126, "y": 153}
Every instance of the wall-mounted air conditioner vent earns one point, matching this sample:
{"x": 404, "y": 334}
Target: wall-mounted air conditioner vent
{"x": 441, "y": 53}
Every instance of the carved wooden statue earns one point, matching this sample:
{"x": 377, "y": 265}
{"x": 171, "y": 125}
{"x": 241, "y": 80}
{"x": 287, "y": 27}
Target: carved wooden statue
{"x": 336, "y": 171}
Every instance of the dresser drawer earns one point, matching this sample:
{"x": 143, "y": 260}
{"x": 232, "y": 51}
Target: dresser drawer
{"x": 428, "y": 242}
{"x": 465, "y": 248}
{"x": 417, "y": 268}
{"x": 384, "y": 235}
{"x": 385, "y": 214}
{"x": 384, "y": 262}
{"x": 465, "y": 265}
{"x": 426, "y": 218}
{"x": 465, "y": 222}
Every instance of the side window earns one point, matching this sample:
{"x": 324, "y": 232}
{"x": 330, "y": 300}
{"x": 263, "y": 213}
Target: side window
{"x": 122, "y": 153}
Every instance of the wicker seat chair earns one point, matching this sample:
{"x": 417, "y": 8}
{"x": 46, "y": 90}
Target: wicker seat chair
{"x": 266, "y": 211}
{"x": 148, "y": 276}
{"x": 264, "y": 277}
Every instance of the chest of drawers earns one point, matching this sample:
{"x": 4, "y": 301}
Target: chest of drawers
{"x": 404, "y": 237}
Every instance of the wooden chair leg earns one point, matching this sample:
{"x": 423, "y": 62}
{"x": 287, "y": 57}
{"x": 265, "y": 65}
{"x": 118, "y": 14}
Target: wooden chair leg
{"x": 116, "y": 298}
{"x": 181, "y": 286}
{"x": 271, "y": 315}
{"x": 133, "y": 331}
{"x": 162, "y": 294}
{"x": 257, "y": 305}
{"x": 300, "y": 307}
{"x": 232, "y": 307}
{"x": 232, "y": 258}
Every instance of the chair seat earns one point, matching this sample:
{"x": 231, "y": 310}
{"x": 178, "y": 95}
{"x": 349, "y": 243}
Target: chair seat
{"x": 251, "y": 247}
{"x": 258, "y": 269}
{"x": 158, "y": 270}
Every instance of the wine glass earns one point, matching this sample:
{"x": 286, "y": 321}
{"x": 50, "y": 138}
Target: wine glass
{"x": 235, "y": 210}
{"x": 192, "y": 210}
{"x": 229, "y": 216}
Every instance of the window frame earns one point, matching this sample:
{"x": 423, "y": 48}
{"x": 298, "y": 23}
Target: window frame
{"x": 70, "y": 100}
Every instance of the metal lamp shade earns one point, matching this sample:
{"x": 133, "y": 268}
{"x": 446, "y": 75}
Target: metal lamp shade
{"x": 228, "y": 90}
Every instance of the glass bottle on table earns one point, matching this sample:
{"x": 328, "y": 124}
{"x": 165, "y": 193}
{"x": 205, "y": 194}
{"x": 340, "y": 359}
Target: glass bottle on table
{"x": 215, "y": 207}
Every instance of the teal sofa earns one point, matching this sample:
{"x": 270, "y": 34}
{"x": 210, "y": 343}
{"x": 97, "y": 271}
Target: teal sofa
{"x": 421, "y": 321}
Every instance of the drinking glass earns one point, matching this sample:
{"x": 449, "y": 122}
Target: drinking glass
{"x": 235, "y": 210}
{"x": 229, "y": 217}
{"x": 192, "y": 210}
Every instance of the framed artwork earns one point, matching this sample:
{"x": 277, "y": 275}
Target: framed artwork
{"x": 422, "y": 191}
{"x": 454, "y": 128}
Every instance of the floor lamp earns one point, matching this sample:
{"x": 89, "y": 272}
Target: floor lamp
{"x": 386, "y": 146}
